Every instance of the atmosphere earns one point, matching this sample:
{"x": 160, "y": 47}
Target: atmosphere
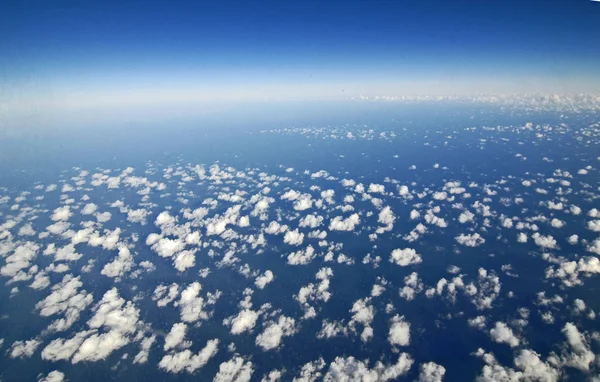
{"x": 96, "y": 52}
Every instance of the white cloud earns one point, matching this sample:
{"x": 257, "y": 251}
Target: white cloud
{"x": 340, "y": 224}
{"x": 234, "y": 370}
{"x": 351, "y": 369}
{"x": 192, "y": 304}
{"x": 472, "y": 240}
{"x": 431, "y": 372}
{"x": 188, "y": 361}
{"x": 65, "y": 299}
{"x": 53, "y": 376}
{"x": 312, "y": 221}
{"x": 501, "y": 333}
{"x": 24, "y": 349}
{"x": 262, "y": 281}
{"x": 399, "y": 333}
{"x": 137, "y": 216}
{"x": 376, "y": 188}
{"x": 176, "y": 337}
{"x": 243, "y": 322}
{"x": 61, "y": 214}
{"x": 405, "y": 257}
{"x": 271, "y": 337}
{"x": 89, "y": 209}
{"x": 120, "y": 265}
{"x": 184, "y": 260}
{"x": 293, "y": 237}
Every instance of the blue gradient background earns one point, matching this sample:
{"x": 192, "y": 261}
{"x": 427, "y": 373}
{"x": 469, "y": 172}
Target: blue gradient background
{"x": 102, "y": 53}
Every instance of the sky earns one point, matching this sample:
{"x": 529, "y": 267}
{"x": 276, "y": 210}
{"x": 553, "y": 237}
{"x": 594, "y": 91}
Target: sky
{"x": 103, "y": 53}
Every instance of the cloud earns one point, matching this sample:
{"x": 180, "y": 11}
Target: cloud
{"x": 65, "y": 299}
{"x": 53, "y": 376}
{"x": 234, "y": 370}
{"x": 192, "y": 304}
{"x": 61, "y": 214}
{"x": 62, "y": 349}
{"x": 243, "y": 322}
{"x": 293, "y": 237}
{"x": 271, "y": 337}
{"x": 262, "y": 281}
{"x": 176, "y": 337}
{"x": 301, "y": 257}
{"x": 89, "y": 209}
{"x": 99, "y": 346}
{"x": 120, "y": 264}
{"x": 376, "y": 188}
{"x": 24, "y": 349}
{"x": 472, "y": 240}
{"x": 311, "y": 221}
{"x": 399, "y": 333}
{"x": 351, "y": 369}
{"x": 164, "y": 295}
{"x": 188, "y": 361}
{"x": 501, "y": 333}
{"x": 405, "y": 257}
{"x": 431, "y": 372}
{"x": 340, "y": 224}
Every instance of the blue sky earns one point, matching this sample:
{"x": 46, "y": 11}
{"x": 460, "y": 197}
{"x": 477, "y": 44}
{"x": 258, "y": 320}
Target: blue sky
{"x": 181, "y": 50}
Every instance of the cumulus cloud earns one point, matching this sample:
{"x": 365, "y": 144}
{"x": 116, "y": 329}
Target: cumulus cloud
{"x": 431, "y": 372}
{"x": 293, "y": 237}
{"x": 405, "y": 257}
{"x": 338, "y": 223}
{"x": 266, "y": 278}
{"x": 234, "y": 370}
{"x": 65, "y": 299}
{"x": 351, "y": 369}
{"x": 501, "y": 333}
{"x": 399, "y": 333}
{"x": 120, "y": 264}
{"x": 271, "y": 337}
{"x": 176, "y": 337}
{"x": 188, "y": 361}
{"x": 24, "y": 349}
{"x": 472, "y": 240}
{"x": 243, "y": 322}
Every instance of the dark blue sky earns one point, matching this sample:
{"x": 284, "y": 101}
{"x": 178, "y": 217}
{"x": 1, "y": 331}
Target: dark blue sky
{"x": 56, "y": 47}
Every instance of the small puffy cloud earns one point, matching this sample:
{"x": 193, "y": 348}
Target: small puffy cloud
{"x": 271, "y": 337}
{"x": 24, "y": 349}
{"x": 340, "y": 224}
{"x": 192, "y": 305}
{"x": 351, "y": 369}
{"x": 472, "y": 240}
{"x": 89, "y": 209}
{"x": 376, "y": 188}
{"x": 243, "y": 322}
{"x": 311, "y": 221}
{"x": 61, "y": 214}
{"x": 405, "y": 257}
{"x": 594, "y": 225}
{"x": 293, "y": 237}
{"x": 399, "y": 333}
{"x": 236, "y": 369}
{"x": 184, "y": 260}
{"x": 188, "y": 361}
{"x": 262, "y": 281}
{"x": 304, "y": 202}
{"x": 137, "y": 216}
{"x": 501, "y": 333}
{"x": 176, "y": 337}
{"x": 120, "y": 264}
{"x": 53, "y": 376}
{"x": 431, "y": 372}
